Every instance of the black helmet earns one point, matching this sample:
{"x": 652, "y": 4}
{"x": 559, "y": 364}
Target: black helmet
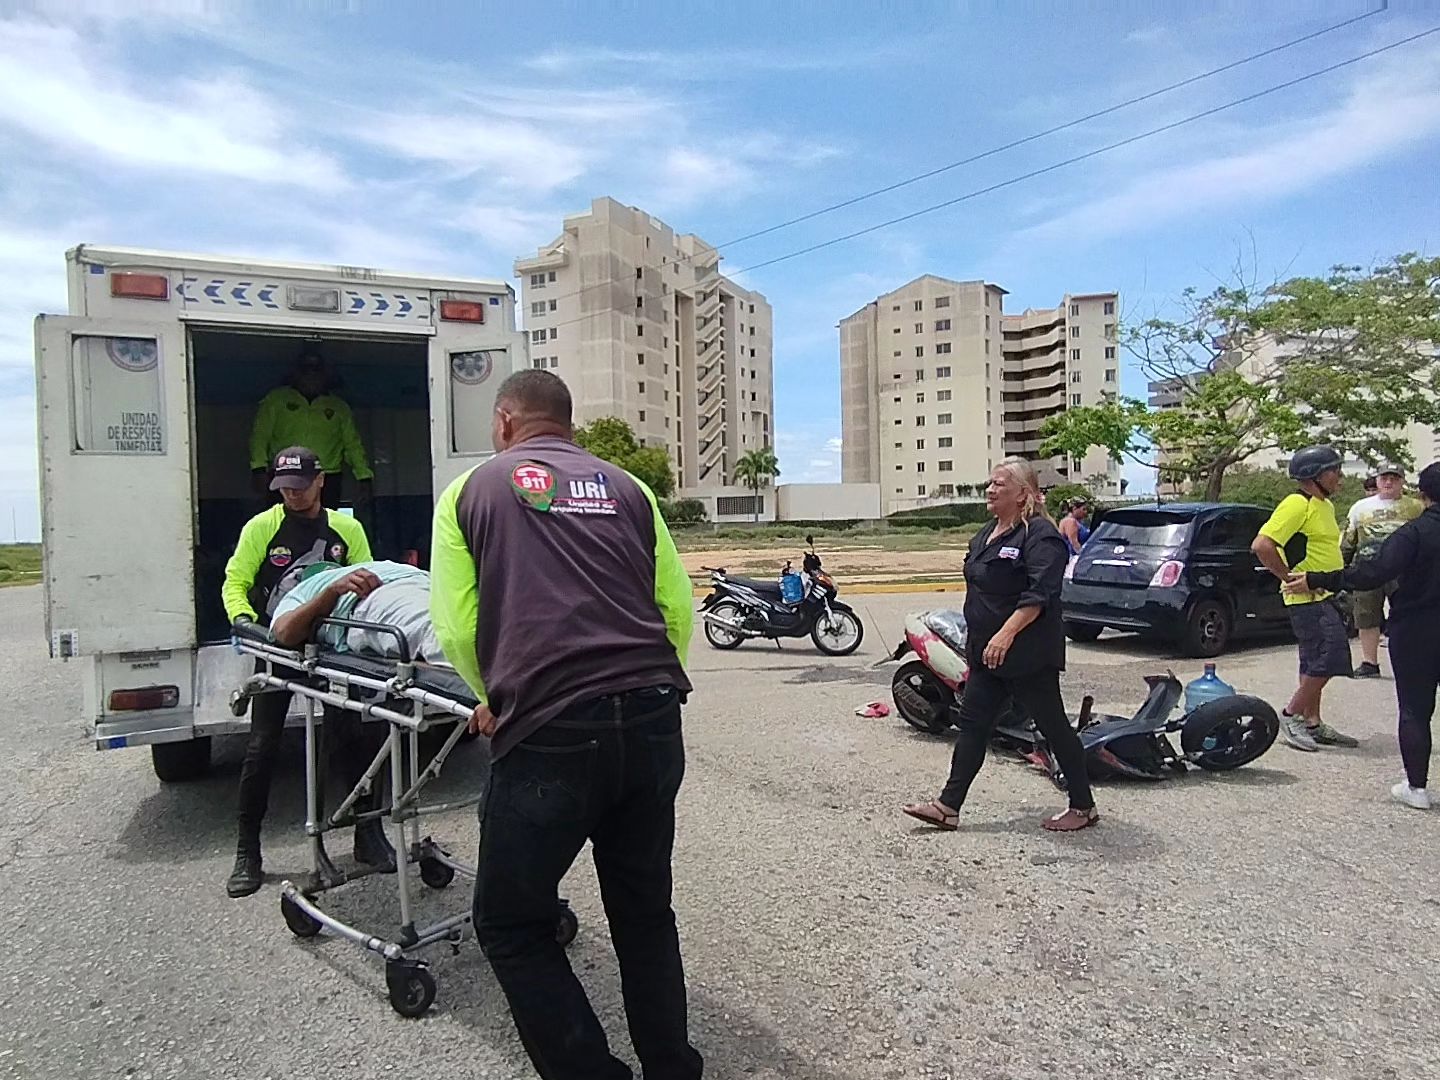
{"x": 1310, "y": 462}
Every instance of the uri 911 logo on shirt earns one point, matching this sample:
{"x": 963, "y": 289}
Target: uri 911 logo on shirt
{"x": 534, "y": 484}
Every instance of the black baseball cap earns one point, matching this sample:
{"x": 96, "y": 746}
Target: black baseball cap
{"x": 294, "y": 468}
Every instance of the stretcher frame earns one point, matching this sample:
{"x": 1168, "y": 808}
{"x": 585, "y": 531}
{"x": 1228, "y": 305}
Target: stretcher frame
{"x": 323, "y": 677}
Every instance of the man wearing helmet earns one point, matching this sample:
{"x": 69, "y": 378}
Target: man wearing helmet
{"x": 1372, "y": 521}
{"x": 1302, "y": 535}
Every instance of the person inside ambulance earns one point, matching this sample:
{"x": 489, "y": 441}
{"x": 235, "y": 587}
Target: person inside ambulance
{"x": 275, "y": 549}
{"x": 304, "y": 412}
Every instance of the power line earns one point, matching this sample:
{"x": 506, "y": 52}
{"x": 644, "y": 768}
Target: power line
{"x": 1052, "y": 130}
{"x": 1147, "y": 96}
{"x": 1094, "y": 153}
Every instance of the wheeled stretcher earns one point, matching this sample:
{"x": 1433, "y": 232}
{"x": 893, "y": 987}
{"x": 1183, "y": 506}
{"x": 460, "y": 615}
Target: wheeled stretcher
{"x": 412, "y": 698}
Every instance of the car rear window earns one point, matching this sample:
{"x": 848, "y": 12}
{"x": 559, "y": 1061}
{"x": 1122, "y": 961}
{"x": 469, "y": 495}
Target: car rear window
{"x": 1145, "y": 528}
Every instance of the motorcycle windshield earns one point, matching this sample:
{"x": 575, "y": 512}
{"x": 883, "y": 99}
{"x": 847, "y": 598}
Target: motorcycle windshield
{"x": 949, "y": 627}
{"x": 1129, "y": 546}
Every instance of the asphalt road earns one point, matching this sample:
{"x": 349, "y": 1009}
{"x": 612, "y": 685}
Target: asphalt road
{"x": 1277, "y": 921}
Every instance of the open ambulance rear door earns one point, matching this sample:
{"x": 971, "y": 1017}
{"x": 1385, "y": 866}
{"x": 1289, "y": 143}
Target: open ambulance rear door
{"x": 115, "y": 488}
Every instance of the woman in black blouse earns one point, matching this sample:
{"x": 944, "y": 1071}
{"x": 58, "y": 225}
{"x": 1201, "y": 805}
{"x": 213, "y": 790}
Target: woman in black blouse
{"x": 1015, "y": 645}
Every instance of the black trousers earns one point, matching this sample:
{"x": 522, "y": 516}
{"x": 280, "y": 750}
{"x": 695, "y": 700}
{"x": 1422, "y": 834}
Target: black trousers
{"x": 343, "y": 735}
{"x": 1415, "y": 661}
{"x": 606, "y": 771}
{"x": 985, "y": 698}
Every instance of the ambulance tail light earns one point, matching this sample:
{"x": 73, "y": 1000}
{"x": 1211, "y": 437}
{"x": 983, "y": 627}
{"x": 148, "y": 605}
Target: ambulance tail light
{"x": 462, "y": 311}
{"x": 144, "y": 699}
{"x": 140, "y": 286}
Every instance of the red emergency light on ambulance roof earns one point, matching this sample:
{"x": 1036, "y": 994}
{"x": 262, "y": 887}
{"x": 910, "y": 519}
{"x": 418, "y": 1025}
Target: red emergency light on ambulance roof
{"x": 462, "y": 311}
{"x": 140, "y": 286}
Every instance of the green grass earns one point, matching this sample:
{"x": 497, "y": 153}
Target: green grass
{"x": 19, "y": 564}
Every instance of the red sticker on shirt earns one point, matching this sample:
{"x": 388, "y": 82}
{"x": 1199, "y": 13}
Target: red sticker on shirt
{"x": 534, "y": 484}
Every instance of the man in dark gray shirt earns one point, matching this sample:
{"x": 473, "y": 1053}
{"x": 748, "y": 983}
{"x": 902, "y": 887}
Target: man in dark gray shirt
{"x": 557, "y": 593}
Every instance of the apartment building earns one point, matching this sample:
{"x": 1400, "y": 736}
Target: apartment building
{"x": 937, "y": 384}
{"x": 919, "y": 398}
{"x": 640, "y": 324}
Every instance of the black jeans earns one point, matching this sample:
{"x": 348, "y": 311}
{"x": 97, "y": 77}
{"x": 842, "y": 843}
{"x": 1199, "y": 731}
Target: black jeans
{"x": 606, "y": 771}
{"x": 1415, "y": 660}
{"x": 342, "y": 731}
{"x": 985, "y": 698}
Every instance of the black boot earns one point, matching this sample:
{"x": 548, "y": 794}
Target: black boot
{"x": 372, "y": 848}
{"x": 247, "y": 877}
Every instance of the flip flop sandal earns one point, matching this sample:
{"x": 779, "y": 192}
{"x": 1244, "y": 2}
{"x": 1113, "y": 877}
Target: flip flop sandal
{"x": 874, "y": 711}
{"x": 933, "y": 815}
{"x": 1070, "y": 821}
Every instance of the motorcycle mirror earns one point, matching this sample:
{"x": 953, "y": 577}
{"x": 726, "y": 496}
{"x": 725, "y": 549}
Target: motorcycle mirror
{"x": 809, "y": 539}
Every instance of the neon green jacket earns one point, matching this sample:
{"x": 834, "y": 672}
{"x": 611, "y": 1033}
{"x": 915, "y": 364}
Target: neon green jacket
{"x": 326, "y": 426}
{"x": 274, "y": 543}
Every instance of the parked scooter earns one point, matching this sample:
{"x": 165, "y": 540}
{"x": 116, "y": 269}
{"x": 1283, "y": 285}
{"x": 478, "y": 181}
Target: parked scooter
{"x": 1223, "y": 733}
{"x": 795, "y": 606}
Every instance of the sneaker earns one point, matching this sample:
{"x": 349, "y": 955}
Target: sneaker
{"x": 1297, "y": 734}
{"x": 1367, "y": 670}
{"x": 1326, "y": 735}
{"x": 1416, "y": 797}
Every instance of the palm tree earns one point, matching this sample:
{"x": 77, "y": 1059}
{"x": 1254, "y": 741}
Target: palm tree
{"x": 756, "y": 470}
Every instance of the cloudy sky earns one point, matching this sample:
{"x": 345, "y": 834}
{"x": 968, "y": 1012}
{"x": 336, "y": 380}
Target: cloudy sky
{"x": 452, "y": 137}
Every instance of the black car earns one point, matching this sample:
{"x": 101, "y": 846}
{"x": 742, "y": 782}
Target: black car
{"x": 1182, "y": 571}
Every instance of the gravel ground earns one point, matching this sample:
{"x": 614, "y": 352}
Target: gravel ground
{"x": 1277, "y": 921}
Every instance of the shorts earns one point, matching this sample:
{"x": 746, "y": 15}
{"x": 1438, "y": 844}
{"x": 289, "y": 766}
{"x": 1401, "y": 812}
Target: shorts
{"x": 1370, "y": 607}
{"x": 1323, "y": 639}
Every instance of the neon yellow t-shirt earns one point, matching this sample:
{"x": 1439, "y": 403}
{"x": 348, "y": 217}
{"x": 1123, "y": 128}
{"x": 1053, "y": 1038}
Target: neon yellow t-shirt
{"x": 1314, "y": 518}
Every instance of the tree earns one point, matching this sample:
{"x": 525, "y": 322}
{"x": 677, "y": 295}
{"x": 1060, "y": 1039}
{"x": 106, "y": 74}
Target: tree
{"x": 756, "y": 470}
{"x": 1345, "y": 359}
{"x": 1060, "y": 494}
{"x": 683, "y": 511}
{"x": 612, "y": 439}
{"x": 1266, "y": 487}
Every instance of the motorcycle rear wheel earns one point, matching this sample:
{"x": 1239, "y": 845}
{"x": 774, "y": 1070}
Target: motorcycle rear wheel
{"x": 1229, "y": 732}
{"x": 718, "y": 636}
{"x": 921, "y": 699}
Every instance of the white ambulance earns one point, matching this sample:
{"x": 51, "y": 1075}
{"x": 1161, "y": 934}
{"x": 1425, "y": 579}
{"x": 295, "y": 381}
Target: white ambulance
{"x": 146, "y": 392}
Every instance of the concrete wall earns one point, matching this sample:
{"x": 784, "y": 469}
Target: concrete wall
{"x": 732, "y": 505}
{"x": 828, "y": 502}
{"x": 791, "y": 502}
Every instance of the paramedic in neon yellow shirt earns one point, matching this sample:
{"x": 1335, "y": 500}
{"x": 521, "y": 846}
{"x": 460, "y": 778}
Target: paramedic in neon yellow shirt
{"x": 302, "y": 413}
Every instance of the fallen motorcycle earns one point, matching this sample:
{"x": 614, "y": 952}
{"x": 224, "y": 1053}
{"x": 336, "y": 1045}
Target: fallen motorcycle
{"x": 795, "y": 606}
{"x": 1219, "y": 735}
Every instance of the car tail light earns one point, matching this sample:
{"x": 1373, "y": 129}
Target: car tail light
{"x": 462, "y": 311}
{"x": 140, "y": 286}
{"x": 144, "y": 699}
{"x": 1168, "y": 574}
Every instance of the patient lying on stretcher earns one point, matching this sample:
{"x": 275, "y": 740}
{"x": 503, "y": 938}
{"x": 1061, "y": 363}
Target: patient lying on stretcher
{"x": 388, "y": 593}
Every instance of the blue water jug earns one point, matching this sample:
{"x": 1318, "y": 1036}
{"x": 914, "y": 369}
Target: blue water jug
{"x": 1207, "y": 687}
{"x": 792, "y": 589}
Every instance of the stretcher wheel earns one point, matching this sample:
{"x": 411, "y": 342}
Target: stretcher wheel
{"x": 412, "y": 987}
{"x": 435, "y": 873}
{"x": 300, "y": 922}
{"x": 567, "y": 927}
